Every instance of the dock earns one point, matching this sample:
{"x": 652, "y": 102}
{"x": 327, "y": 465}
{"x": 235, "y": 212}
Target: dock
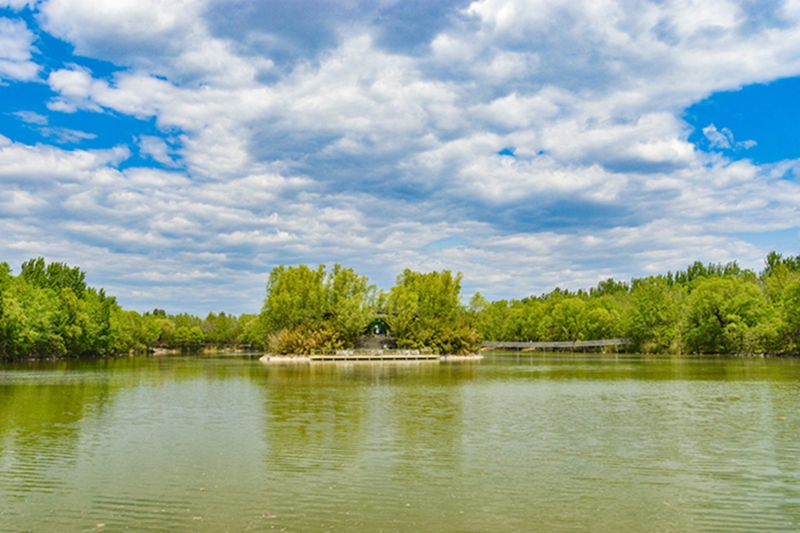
{"x": 375, "y": 355}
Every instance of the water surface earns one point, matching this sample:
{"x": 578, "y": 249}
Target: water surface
{"x": 546, "y": 443}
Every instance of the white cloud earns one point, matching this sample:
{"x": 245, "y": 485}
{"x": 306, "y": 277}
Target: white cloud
{"x": 66, "y": 135}
{"x": 16, "y": 43}
{"x": 16, "y": 202}
{"x": 724, "y": 139}
{"x": 718, "y": 139}
{"x": 21, "y": 163}
{"x": 158, "y": 37}
{"x": 32, "y": 118}
{"x": 156, "y": 148}
{"x": 366, "y": 157}
{"x": 18, "y": 4}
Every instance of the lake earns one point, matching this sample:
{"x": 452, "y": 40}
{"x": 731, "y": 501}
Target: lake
{"x": 569, "y": 443}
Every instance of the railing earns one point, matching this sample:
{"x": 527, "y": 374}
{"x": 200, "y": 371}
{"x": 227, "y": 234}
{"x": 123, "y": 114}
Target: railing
{"x": 370, "y": 351}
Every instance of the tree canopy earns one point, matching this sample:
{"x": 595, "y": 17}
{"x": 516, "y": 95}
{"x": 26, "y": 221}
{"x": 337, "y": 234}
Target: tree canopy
{"x": 314, "y": 309}
{"x": 425, "y": 311}
{"x": 706, "y": 308}
{"x": 48, "y": 310}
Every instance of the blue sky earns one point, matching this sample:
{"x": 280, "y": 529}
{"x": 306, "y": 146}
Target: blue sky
{"x": 768, "y": 114}
{"x": 179, "y": 150}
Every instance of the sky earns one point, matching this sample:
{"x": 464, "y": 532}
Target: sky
{"x": 178, "y": 150}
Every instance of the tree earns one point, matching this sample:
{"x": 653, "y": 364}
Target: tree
{"x": 779, "y": 277}
{"x": 774, "y": 260}
{"x": 790, "y": 310}
{"x": 610, "y": 286}
{"x": 655, "y": 312}
{"x": 329, "y": 309}
{"x": 73, "y": 323}
{"x": 295, "y": 295}
{"x": 721, "y": 312}
{"x": 491, "y": 320}
{"x": 250, "y": 332}
{"x": 426, "y": 312}
{"x": 478, "y": 303}
{"x": 189, "y": 338}
{"x": 566, "y": 321}
{"x": 150, "y": 331}
{"x": 604, "y": 318}
{"x": 54, "y": 276}
{"x": 350, "y": 303}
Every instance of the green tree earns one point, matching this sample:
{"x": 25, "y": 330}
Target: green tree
{"x": 604, "y": 318}
{"x": 426, "y": 312}
{"x": 54, "y": 276}
{"x": 491, "y": 320}
{"x": 655, "y": 312}
{"x": 251, "y": 332}
{"x": 779, "y": 277}
{"x": 478, "y": 303}
{"x": 295, "y": 295}
{"x": 125, "y": 331}
{"x": 790, "y": 310}
{"x": 525, "y": 319}
{"x": 610, "y": 287}
{"x": 350, "y": 303}
{"x": 31, "y": 316}
{"x": 150, "y": 332}
{"x": 327, "y": 309}
{"x": 100, "y": 308}
{"x": 189, "y": 338}
{"x": 73, "y": 323}
{"x": 721, "y": 315}
{"x": 566, "y": 321}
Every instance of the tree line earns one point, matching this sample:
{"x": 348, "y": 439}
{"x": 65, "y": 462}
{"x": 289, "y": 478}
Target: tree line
{"x": 48, "y": 310}
{"x": 707, "y": 308}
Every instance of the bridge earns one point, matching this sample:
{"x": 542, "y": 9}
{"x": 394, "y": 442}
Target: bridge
{"x": 561, "y": 345}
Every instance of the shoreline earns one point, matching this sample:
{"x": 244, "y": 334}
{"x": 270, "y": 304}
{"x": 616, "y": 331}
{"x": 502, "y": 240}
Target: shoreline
{"x": 273, "y": 358}
{"x": 296, "y": 358}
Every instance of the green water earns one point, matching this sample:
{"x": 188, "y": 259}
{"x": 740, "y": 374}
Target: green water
{"x": 583, "y": 444}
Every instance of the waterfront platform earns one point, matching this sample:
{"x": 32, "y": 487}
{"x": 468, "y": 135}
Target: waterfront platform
{"x": 374, "y": 355}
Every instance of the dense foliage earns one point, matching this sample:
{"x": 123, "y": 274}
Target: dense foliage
{"x": 712, "y": 308}
{"x": 309, "y": 310}
{"x": 49, "y": 311}
{"x": 425, "y": 311}
{"x": 306, "y": 310}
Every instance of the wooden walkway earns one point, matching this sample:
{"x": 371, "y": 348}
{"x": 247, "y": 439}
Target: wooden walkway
{"x": 375, "y": 355}
{"x": 368, "y": 357}
{"x": 562, "y": 345}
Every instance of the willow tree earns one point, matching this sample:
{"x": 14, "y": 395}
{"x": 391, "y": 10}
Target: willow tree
{"x": 307, "y": 309}
{"x": 426, "y": 312}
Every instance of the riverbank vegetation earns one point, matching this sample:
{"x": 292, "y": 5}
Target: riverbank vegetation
{"x": 711, "y": 308}
{"x": 48, "y": 310}
{"x": 706, "y": 308}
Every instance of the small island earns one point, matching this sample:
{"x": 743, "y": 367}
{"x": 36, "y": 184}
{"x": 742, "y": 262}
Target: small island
{"x": 336, "y": 315}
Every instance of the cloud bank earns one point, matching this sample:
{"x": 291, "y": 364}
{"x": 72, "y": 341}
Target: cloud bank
{"x": 528, "y": 144}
